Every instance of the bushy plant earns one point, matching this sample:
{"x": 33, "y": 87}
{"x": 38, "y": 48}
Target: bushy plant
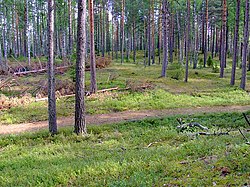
{"x": 200, "y": 63}
{"x": 215, "y": 68}
{"x": 210, "y": 62}
{"x": 178, "y": 72}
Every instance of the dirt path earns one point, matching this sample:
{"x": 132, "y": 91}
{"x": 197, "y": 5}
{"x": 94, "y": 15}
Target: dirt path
{"x": 119, "y": 117}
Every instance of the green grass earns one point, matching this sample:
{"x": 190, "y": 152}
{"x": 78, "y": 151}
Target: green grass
{"x": 117, "y": 155}
{"x": 116, "y": 102}
{"x": 203, "y": 89}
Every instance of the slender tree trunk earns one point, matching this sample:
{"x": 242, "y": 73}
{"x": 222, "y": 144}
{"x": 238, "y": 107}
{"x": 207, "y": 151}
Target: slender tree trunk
{"x": 171, "y": 36}
{"x": 165, "y": 38}
{"x": 80, "y": 122}
{"x": 28, "y": 30}
{"x": 206, "y": 34}
{"x": 122, "y": 31}
{"x": 51, "y": 80}
{"x": 153, "y": 33}
{"x": 149, "y": 39}
{"x": 245, "y": 48}
{"x": 93, "y": 86}
{"x": 212, "y": 51}
{"x": 134, "y": 40}
{"x": 195, "y": 37}
{"x": 70, "y": 27}
{"x": 223, "y": 39}
{"x": 187, "y": 39}
{"x": 236, "y": 38}
{"x": 160, "y": 33}
{"x": 5, "y": 41}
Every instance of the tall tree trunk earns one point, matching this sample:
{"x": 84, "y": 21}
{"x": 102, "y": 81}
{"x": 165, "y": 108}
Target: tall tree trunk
{"x": 187, "y": 39}
{"x": 236, "y": 38}
{"x": 51, "y": 80}
{"x": 80, "y": 122}
{"x": 122, "y": 31}
{"x": 93, "y": 86}
{"x": 213, "y": 42}
{"x": 206, "y": 34}
{"x": 134, "y": 40}
{"x": 223, "y": 39}
{"x": 245, "y": 48}
{"x": 70, "y": 27}
{"x": 165, "y": 38}
{"x": 195, "y": 37}
{"x": 180, "y": 39}
{"x": 153, "y": 33}
{"x": 171, "y": 36}
{"x": 28, "y": 31}
{"x": 160, "y": 33}
{"x": 149, "y": 38}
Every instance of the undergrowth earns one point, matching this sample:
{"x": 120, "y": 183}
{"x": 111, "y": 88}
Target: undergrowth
{"x": 142, "y": 153}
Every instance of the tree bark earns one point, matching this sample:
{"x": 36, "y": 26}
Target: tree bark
{"x": 70, "y": 28}
{"x": 187, "y": 39}
{"x": 236, "y": 38}
{"x": 51, "y": 80}
{"x": 205, "y": 35}
{"x": 223, "y": 39}
{"x": 93, "y": 86}
{"x": 165, "y": 38}
{"x": 80, "y": 122}
{"x": 122, "y": 31}
{"x": 245, "y": 47}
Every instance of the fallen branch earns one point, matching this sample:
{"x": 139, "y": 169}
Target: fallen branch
{"x": 212, "y": 134}
{"x": 247, "y": 141}
{"x": 246, "y": 118}
{"x": 6, "y": 82}
{"x": 89, "y": 93}
{"x": 149, "y": 145}
{"x": 39, "y": 71}
{"x": 190, "y": 125}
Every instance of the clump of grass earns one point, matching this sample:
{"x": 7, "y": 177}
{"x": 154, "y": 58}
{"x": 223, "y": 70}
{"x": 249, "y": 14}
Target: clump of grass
{"x": 120, "y": 155}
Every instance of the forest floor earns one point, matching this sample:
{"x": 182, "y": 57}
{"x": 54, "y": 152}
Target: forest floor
{"x": 118, "y": 117}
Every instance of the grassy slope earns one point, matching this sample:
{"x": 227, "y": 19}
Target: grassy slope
{"x": 117, "y": 155}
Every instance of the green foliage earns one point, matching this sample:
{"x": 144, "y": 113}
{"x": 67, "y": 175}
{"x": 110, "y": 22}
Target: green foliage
{"x": 200, "y": 63}
{"x": 142, "y": 153}
{"x": 210, "y": 61}
{"x": 178, "y": 71}
{"x": 215, "y": 68}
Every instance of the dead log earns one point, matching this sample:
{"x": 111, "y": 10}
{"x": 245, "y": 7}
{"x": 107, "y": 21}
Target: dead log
{"x": 182, "y": 127}
{"x": 6, "y": 82}
{"x": 39, "y": 71}
{"x": 89, "y": 93}
{"x": 212, "y": 134}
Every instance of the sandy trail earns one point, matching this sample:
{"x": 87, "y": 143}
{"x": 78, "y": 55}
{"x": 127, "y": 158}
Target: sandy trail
{"x": 119, "y": 117}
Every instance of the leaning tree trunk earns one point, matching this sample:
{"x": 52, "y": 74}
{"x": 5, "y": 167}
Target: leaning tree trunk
{"x": 51, "y": 80}
{"x": 236, "y": 38}
{"x": 80, "y": 122}
{"x": 165, "y": 38}
{"x": 223, "y": 39}
{"x": 93, "y": 86}
{"x": 245, "y": 48}
{"x": 187, "y": 39}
